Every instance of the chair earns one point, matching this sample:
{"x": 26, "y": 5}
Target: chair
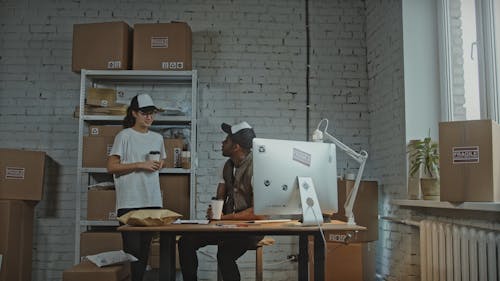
{"x": 266, "y": 241}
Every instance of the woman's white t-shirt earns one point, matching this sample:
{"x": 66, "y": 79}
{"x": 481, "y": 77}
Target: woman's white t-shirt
{"x": 140, "y": 188}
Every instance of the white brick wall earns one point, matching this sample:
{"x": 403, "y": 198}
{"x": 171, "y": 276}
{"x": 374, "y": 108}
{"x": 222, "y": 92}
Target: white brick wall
{"x": 251, "y": 61}
{"x": 398, "y": 254}
{"x": 384, "y": 40}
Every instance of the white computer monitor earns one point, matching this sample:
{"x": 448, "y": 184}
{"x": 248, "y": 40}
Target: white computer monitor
{"x": 277, "y": 166}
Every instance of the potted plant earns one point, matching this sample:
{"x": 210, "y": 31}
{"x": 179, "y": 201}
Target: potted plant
{"x": 424, "y": 162}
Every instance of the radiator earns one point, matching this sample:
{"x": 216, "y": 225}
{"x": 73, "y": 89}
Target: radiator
{"x": 450, "y": 252}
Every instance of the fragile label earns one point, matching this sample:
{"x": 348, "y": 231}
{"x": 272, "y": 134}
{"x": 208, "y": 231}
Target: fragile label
{"x": 302, "y": 157}
{"x": 466, "y": 154}
{"x": 14, "y": 173}
{"x": 159, "y": 42}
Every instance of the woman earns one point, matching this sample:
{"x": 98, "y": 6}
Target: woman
{"x": 136, "y": 174}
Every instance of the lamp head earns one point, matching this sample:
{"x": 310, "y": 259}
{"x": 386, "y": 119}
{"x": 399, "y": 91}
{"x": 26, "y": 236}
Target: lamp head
{"x": 317, "y": 136}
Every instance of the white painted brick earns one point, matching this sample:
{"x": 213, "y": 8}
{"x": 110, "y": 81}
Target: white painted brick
{"x": 249, "y": 62}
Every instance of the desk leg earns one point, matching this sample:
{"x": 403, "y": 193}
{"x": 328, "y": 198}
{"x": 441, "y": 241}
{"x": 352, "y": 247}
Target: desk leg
{"x": 167, "y": 257}
{"x": 303, "y": 258}
{"x": 319, "y": 258}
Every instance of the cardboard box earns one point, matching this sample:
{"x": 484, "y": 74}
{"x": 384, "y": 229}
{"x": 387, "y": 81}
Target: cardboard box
{"x": 103, "y": 97}
{"x": 469, "y": 161}
{"x": 96, "y": 150}
{"x": 101, "y": 46}
{"x": 154, "y": 255}
{"x": 162, "y": 46}
{"x": 21, "y": 174}
{"x": 95, "y": 242}
{"x": 101, "y": 205}
{"x": 86, "y": 271}
{"x": 351, "y": 262}
{"x": 365, "y": 209}
{"x": 173, "y": 148}
{"x": 16, "y": 239}
{"x": 175, "y": 193}
{"x": 104, "y": 131}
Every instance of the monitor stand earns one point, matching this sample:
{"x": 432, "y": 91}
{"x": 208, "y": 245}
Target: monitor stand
{"x": 311, "y": 211}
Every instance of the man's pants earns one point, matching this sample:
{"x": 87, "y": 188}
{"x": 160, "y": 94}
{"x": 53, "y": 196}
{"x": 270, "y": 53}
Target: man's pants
{"x": 229, "y": 250}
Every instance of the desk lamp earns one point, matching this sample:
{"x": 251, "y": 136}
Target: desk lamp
{"x": 360, "y": 157}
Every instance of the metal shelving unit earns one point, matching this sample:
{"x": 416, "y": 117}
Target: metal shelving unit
{"x": 166, "y": 85}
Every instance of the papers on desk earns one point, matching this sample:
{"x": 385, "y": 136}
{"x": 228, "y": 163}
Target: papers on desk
{"x": 179, "y": 221}
{"x": 269, "y": 221}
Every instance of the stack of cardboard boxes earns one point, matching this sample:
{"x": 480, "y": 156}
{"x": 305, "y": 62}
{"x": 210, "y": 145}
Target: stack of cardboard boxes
{"x": 116, "y": 46}
{"x": 21, "y": 187}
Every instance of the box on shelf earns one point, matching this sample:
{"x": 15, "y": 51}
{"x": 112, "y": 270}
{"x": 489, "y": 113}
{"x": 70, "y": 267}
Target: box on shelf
{"x": 101, "y": 46}
{"x": 96, "y": 150}
{"x": 102, "y": 97}
{"x": 104, "y": 130}
{"x": 21, "y": 174}
{"x": 162, "y": 46}
{"x": 365, "y": 209}
{"x": 469, "y": 161}
{"x": 173, "y": 148}
{"x": 175, "y": 193}
{"x": 353, "y": 262}
{"x": 95, "y": 242}
{"x": 86, "y": 270}
{"x": 16, "y": 239}
{"x": 101, "y": 205}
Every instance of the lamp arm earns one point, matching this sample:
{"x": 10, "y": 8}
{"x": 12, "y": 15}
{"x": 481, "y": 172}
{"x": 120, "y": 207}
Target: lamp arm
{"x": 361, "y": 159}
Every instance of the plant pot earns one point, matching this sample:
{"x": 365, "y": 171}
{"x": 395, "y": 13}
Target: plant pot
{"x": 430, "y": 188}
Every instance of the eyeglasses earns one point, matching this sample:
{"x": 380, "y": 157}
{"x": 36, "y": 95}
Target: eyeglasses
{"x": 149, "y": 113}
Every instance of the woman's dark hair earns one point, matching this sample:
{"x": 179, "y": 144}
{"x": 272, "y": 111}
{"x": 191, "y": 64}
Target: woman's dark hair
{"x": 129, "y": 120}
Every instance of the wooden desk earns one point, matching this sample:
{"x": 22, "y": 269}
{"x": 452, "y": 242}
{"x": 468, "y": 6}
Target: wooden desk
{"x": 233, "y": 228}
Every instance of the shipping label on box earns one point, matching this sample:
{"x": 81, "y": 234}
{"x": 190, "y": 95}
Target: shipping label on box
{"x": 21, "y": 174}
{"x": 465, "y": 154}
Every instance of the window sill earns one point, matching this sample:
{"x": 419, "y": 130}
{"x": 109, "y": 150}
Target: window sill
{"x": 474, "y": 206}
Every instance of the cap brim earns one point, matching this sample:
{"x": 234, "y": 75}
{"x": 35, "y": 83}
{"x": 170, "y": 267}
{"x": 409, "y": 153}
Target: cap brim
{"x": 151, "y": 108}
{"x": 226, "y": 128}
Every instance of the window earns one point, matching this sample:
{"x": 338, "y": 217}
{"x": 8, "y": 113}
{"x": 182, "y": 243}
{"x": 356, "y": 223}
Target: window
{"x": 469, "y": 59}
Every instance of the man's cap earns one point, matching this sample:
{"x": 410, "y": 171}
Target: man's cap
{"x": 144, "y": 102}
{"x": 241, "y": 133}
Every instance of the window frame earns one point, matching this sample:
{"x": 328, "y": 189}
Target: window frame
{"x": 489, "y": 89}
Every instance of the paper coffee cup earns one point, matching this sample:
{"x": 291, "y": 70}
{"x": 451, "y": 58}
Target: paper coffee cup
{"x": 154, "y": 155}
{"x": 217, "y": 209}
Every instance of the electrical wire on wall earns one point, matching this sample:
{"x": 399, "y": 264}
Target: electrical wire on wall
{"x": 308, "y": 46}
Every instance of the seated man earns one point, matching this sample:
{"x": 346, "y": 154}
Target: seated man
{"x": 236, "y": 190}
